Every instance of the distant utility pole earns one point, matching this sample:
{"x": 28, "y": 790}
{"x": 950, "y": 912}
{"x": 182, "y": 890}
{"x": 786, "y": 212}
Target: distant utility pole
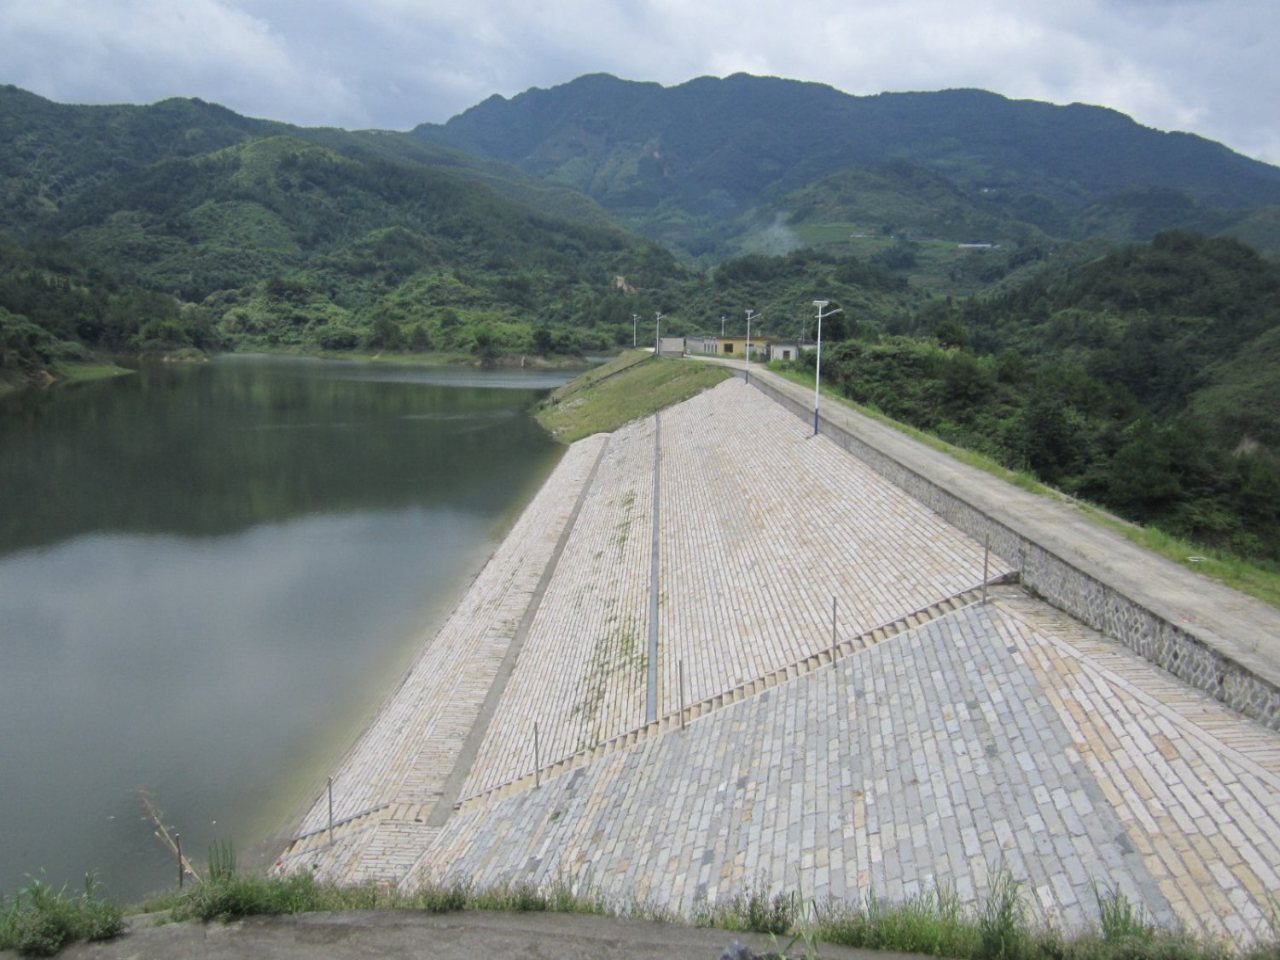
{"x": 657, "y": 335}
{"x": 635, "y": 318}
{"x": 746, "y": 359}
{"x": 722, "y": 325}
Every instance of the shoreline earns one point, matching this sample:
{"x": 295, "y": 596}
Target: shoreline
{"x": 107, "y": 366}
{"x": 481, "y": 621}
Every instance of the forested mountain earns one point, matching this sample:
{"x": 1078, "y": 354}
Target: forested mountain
{"x": 54, "y": 152}
{"x": 238, "y": 232}
{"x": 680, "y": 162}
{"x": 60, "y": 151}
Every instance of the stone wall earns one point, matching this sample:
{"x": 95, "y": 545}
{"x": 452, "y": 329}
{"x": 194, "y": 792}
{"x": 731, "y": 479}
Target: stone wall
{"x": 1070, "y": 588}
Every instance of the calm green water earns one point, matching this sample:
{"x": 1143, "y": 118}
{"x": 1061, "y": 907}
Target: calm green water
{"x": 209, "y": 578}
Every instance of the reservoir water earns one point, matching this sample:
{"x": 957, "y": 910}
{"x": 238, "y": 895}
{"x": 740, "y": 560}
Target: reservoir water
{"x": 210, "y": 576}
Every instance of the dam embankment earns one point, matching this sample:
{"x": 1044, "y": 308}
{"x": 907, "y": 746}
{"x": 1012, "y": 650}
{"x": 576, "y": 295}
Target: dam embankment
{"x": 719, "y": 656}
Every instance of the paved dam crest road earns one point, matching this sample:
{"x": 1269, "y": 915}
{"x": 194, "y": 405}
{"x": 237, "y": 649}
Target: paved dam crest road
{"x": 971, "y": 738}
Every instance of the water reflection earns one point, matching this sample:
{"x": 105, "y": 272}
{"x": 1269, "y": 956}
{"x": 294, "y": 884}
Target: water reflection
{"x": 209, "y": 575}
{"x": 217, "y": 448}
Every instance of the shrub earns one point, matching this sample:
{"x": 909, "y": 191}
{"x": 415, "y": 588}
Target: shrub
{"x": 40, "y": 920}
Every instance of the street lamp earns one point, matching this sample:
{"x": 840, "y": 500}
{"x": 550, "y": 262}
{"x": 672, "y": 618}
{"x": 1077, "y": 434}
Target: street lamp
{"x": 746, "y": 358}
{"x": 635, "y": 318}
{"x": 657, "y": 334}
{"x": 722, "y": 326}
{"x": 817, "y": 367}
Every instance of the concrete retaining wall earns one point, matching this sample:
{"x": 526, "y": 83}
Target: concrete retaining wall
{"x": 1070, "y": 588}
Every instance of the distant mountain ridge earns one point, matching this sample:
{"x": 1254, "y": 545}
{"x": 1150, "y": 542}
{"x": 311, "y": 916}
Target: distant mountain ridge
{"x": 59, "y": 151}
{"x": 183, "y": 224}
{"x": 716, "y": 148}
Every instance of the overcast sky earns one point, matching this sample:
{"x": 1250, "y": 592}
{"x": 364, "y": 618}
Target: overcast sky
{"x": 1207, "y": 66}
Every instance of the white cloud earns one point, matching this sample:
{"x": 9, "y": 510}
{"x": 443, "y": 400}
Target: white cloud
{"x": 145, "y": 50}
{"x": 1203, "y": 65}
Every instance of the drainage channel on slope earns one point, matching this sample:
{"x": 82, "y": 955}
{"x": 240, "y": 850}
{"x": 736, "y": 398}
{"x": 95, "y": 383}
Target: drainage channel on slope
{"x": 447, "y": 801}
{"x": 651, "y": 698}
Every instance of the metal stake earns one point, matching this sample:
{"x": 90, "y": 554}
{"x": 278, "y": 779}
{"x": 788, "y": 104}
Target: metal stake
{"x": 177, "y": 840}
{"x": 331, "y": 811}
{"x": 986, "y": 558}
{"x": 681, "y": 694}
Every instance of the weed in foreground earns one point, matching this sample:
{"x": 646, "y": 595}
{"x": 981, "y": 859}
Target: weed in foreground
{"x": 756, "y": 911}
{"x": 39, "y": 920}
{"x": 1121, "y": 920}
{"x": 1002, "y": 923}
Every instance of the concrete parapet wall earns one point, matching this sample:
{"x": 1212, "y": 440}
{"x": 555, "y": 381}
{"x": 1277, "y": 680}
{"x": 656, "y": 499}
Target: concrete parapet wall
{"x": 1062, "y": 582}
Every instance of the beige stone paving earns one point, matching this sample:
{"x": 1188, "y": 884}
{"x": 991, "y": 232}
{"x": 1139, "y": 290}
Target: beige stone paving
{"x": 406, "y": 754}
{"x": 746, "y": 576}
{"x": 581, "y": 674}
{"x": 1196, "y": 785}
{"x": 763, "y": 525}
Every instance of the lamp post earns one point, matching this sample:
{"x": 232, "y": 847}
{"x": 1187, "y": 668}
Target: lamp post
{"x": 817, "y": 367}
{"x": 657, "y": 334}
{"x": 635, "y": 318}
{"x": 722, "y": 326}
{"x": 746, "y": 358}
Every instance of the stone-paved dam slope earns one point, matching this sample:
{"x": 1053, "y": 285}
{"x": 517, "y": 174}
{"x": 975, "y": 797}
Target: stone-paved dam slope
{"x": 718, "y": 655}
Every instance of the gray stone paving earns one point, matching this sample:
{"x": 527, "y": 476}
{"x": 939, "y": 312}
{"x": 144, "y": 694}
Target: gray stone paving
{"x": 931, "y": 758}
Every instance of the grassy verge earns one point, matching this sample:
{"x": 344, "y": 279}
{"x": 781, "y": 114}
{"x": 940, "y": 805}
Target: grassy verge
{"x": 934, "y": 923}
{"x": 589, "y": 378}
{"x": 1257, "y": 581}
{"x": 40, "y": 920}
{"x": 634, "y": 385}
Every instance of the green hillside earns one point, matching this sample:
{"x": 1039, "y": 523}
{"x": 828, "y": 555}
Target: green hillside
{"x": 1144, "y": 380}
{"x": 60, "y": 151}
{"x": 255, "y": 234}
{"x": 55, "y": 152}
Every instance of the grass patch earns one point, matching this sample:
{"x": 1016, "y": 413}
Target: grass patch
{"x": 755, "y": 911}
{"x": 232, "y": 896}
{"x": 1000, "y": 929}
{"x": 39, "y": 920}
{"x": 633, "y": 386}
{"x": 1260, "y": 582}
{"x": 590, "y": 378}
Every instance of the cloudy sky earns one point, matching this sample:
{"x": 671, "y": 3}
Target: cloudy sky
{"x": 1207, "y": 66}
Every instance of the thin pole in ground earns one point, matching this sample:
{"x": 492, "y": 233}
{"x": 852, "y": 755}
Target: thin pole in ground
{"x": 986, "y": 559}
